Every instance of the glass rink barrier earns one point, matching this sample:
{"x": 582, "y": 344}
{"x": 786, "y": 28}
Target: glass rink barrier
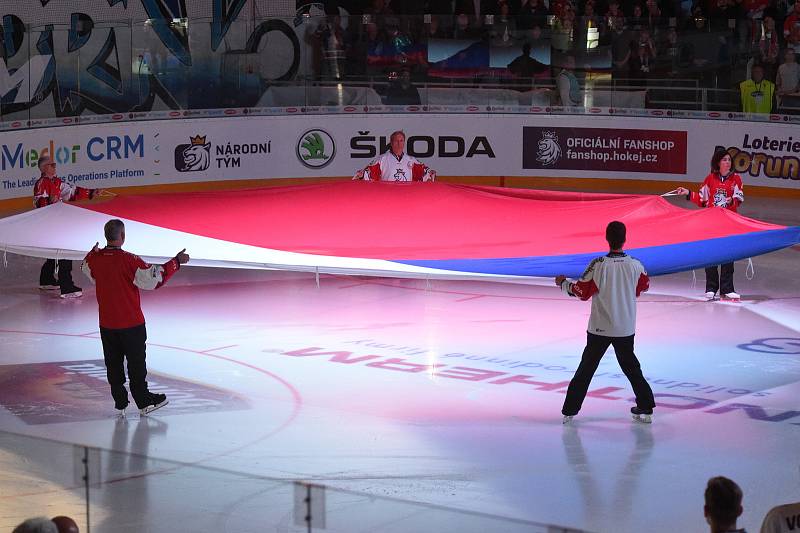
{"x": 115, "y": 491}
{"x": 86, "y": 68}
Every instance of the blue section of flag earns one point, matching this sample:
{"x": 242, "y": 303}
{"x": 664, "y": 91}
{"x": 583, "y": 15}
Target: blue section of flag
{"x": 657, "y": 260}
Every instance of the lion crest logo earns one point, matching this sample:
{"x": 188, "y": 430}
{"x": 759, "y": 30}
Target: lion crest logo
{"x": 193, "y": 157}
{"x": 721, "y": 198}
{"x": 549, "y": 150}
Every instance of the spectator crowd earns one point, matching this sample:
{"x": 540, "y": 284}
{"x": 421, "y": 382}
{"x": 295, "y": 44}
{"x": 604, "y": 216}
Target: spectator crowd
{"x": 640, "y": 43}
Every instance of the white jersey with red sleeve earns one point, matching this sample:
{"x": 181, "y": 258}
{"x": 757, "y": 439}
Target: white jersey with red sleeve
{"x": 613, "y": 282}
{"x": 118, "y": 276}
{"x": 389, "y": 167}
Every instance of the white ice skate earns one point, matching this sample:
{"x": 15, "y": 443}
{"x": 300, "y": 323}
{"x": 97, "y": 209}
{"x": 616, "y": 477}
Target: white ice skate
{"x": 731, "y": 297}
{"x": 710, "y": 296}
{"x": 567, "y": 420}
{"x": 644, "y": 416}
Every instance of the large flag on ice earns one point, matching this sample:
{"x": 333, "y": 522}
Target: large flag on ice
{"x": 399, "y": 229}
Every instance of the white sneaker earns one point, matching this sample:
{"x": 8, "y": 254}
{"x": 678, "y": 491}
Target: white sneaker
{"x": 732, "y": 296}
{"x": 567, "y": 419}
{"x": 710, "y": 295}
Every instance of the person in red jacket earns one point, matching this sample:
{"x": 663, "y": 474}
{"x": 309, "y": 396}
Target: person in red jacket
{"x": 49, "y": 189}
{"x": 721, "y": 188}
{"x": 118, "y": 276}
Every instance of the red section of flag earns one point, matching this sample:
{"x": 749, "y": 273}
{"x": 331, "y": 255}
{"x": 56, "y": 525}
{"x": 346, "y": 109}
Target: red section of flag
{"x": 387, "y": 220}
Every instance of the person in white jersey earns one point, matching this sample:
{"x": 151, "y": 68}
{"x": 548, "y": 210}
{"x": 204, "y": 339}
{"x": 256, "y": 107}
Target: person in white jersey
{"x": 782, "y": 519}
{"x": 396, "y": 165}
{"x": 613, "y": 281}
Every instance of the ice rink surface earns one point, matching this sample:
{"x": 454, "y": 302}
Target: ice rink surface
{"x": 442, "y": 392}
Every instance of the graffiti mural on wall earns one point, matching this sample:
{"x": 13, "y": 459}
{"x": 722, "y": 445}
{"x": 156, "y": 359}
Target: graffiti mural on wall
{"x": 160, "y": 57}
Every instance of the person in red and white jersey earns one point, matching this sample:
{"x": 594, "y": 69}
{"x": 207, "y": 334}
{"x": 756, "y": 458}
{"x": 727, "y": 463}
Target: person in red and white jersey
{"x": 50, "y": 189}
{"x": 613, "y": 282}
{"x": 396, "y": 165}
{"x": 721, "y": 188}
{"x": 118, "y": 276}
{"x": 47, "y": 190}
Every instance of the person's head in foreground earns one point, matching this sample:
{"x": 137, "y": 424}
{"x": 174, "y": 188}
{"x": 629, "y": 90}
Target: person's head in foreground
{"x": 615, "y": 235}
{"x": 115, "y": 232}
{"x": 723, "y": 504}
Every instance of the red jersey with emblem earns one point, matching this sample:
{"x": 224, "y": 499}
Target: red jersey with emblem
{"x": 719, "y": 191}
{"x": 118, "y": 276}
{"x": 389, "y": 167}
{"x": 48, "y": 191}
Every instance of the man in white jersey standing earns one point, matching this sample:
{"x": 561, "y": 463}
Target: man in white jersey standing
{"x": 614, "y": 281}
{"x": 396, "y": 165}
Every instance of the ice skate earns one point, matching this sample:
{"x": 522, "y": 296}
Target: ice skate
{"x": 72, "y": 292}
{"x": 710, "y": 296}
{"x": 156, "y": 402}
{"x": 731, "y": 297}
{"x": 567, "y": 420}
{"x": 644, "y": 416}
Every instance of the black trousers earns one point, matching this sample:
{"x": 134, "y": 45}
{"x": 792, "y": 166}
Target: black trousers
{"x": 721, "y": 280}
{"x": 119, "y": 345}
{"x": 596, "y": 346}
{"x": 47, "y": 275}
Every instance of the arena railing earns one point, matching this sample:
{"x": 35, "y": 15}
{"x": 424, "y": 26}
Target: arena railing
{"x": 121, "y": 491}
{"x": 95, "y": 71}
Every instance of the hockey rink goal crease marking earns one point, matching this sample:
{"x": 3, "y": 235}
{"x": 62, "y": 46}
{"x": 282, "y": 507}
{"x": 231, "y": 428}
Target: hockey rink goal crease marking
{"x": 296, "y": 400}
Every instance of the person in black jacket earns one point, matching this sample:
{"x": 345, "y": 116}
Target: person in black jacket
{"x": 401, "y": 91}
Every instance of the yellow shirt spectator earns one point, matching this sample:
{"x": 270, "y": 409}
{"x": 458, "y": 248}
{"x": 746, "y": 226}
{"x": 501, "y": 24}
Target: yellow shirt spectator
{"x": 757, "y": 93}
